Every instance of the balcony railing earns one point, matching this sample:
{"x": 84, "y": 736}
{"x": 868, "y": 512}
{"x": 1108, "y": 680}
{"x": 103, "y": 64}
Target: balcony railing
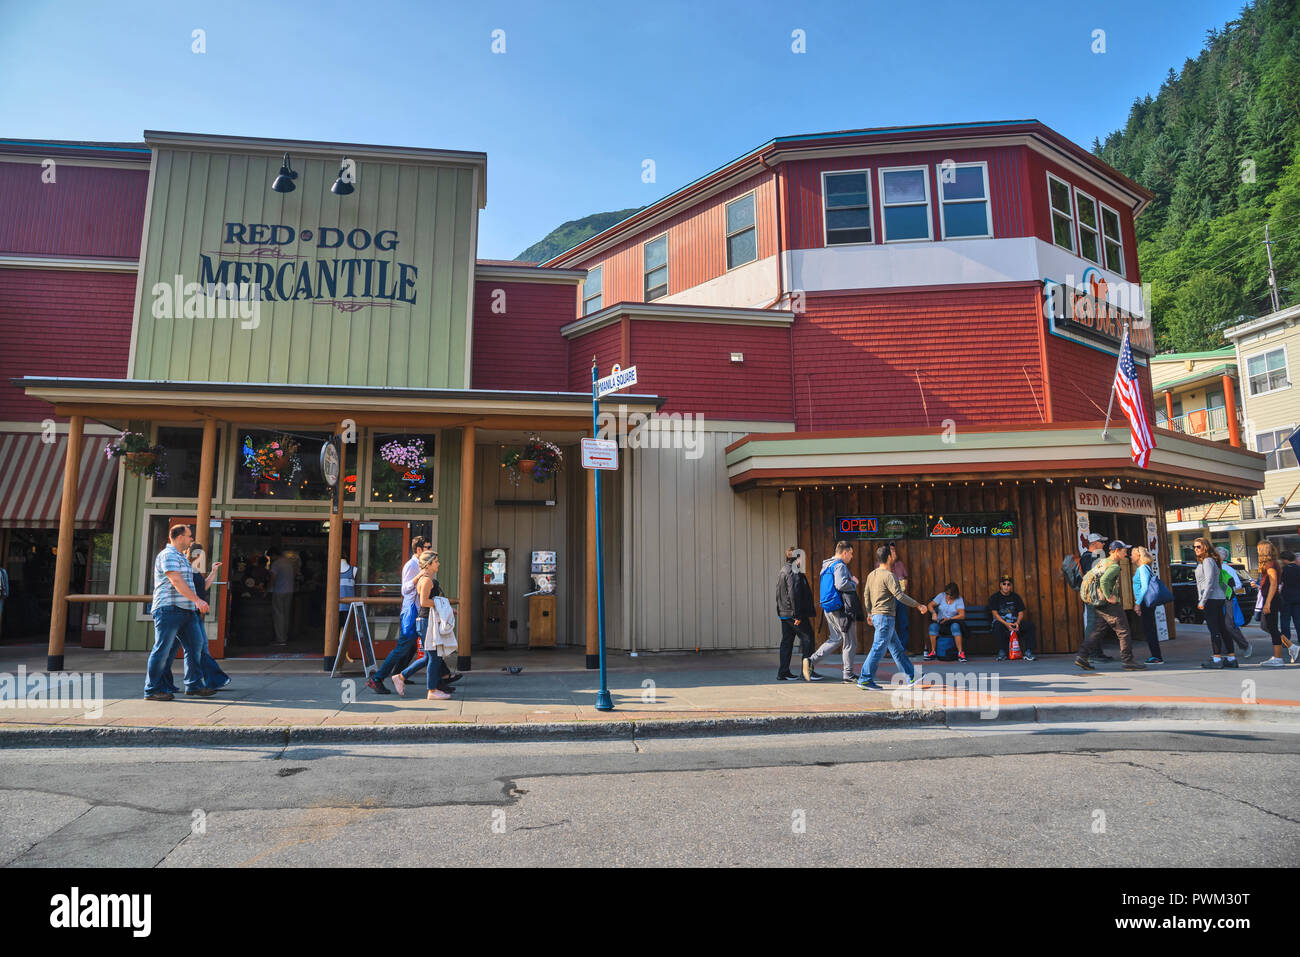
{"x": 1198, "y": 422}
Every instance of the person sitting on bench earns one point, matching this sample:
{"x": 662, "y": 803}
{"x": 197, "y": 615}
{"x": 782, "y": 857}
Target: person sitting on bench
{"x": 1008, "y": 612}
{"x": 947, "y": 611}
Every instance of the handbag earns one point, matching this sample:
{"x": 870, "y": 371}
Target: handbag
{"x": 1237, "y": 616}
{"x": 1158, "y": 593}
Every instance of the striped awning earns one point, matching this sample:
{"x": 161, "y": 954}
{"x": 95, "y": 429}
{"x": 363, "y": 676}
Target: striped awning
{"x": 31, "y": 480}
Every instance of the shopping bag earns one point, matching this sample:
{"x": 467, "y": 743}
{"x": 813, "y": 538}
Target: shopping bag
{"x": 1015, "y": 646}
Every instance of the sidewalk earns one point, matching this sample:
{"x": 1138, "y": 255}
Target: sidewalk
{"x": 554, "y": 688}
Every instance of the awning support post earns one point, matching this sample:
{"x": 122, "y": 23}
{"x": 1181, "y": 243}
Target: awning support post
{"x": 63, "y": 558}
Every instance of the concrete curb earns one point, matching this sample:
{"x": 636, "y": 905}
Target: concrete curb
{"x": 634, "y": 729}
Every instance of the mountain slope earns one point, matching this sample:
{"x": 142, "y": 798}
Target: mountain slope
{"x": 569, "y": 234}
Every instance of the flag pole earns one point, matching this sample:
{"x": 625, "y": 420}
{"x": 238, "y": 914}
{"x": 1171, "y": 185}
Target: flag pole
{"x": 1111, "y": 404}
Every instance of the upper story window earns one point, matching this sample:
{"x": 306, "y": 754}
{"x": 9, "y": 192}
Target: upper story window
{"x": 964, "y": 201}
{"x": 1267, "y": 372}
{"x": 905, "y": 204}
{"x": 1089, "y": 227}
{"x": 591, "y": 291}
{"x": 1112, "y": 240}
{"x": 656, "y": 268}
{"x": 847, "y": 207}
{"x": 742, "y": 236}
{"x": 1058, "y": 192}
{"x": 1277, "y": 448}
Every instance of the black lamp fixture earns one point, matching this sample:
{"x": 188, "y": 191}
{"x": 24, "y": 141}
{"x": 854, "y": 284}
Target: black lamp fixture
{"x": 284, "y": 182}
{"x": 343, "y": 187}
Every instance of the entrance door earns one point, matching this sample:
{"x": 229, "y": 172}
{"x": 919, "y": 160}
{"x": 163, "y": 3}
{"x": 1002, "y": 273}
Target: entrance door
{"x": 380, "y": 550}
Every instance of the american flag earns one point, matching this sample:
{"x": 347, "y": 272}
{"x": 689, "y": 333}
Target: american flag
{"x": 1129, "y": 391}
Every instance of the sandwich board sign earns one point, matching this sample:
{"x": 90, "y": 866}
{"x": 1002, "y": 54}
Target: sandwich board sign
{"x": 357, "y": 626}
{"x": 599, "y": 454}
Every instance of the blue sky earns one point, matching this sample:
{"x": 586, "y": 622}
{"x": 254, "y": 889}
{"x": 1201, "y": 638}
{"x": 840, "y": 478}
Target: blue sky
{"x": 584, "y": 92}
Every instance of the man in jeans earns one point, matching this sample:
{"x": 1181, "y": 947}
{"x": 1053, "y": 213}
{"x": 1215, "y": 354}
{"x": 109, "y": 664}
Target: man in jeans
{"x": 836, "y": 582}
{"x": 174, "y": 605}
{"x": 404, "y": 651}
{"x": 883, "y": 598}
{"x": 1111, "y": 614}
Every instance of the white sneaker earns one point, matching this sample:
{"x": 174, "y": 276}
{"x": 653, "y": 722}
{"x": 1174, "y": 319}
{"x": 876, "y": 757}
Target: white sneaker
{"x": 1273, "y": 663}
{"x": 1295, "y": 651}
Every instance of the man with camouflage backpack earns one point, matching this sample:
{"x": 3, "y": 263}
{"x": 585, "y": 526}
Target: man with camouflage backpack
{"x": 1101, "y": 589}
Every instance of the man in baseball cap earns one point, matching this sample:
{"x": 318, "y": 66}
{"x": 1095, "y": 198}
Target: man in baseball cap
{"x": 1096, "y": 550}
{"x": 1112, "y": 614}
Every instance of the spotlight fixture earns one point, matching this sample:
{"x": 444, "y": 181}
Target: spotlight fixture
{"x": 342, "y": 186}
{"x": 284, "y": 182}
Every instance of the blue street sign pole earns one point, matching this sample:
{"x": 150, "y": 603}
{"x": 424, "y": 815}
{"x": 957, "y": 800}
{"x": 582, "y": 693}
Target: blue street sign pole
{"x": 603, "y": 701}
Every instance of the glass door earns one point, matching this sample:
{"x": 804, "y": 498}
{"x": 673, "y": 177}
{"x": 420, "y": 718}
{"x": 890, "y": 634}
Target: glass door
{"x": 381, "y": 549}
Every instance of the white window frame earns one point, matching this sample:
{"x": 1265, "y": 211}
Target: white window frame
{"x": 1286, "y": 368}
{"x": 884, "y": 206}
{"x": 371, "y": 445}
{"x": 1119, "y": 240}
{"x": 600, "y": 295}
{"x": 871, "y": 207}
{"x": 1080, "y": 228}
{"x": 1284, "y": 433}
{"x": 645, "y": 291}
{"x": 1052, "y": 211}
{"x": 726, "y": 236}
{"x": 987, "y": 200}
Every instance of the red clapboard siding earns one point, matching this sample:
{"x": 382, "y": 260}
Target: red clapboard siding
{"x": 697, "y": 249}
{"x": 1038, "y": 168}
{"x": 690, "y": 365}
{"x": 1081, "y": 380}
{"x": 606, "y": 344}
{"x": 522, "y": 348}
{"x": 88, "y": 212}
{"x": 61, "y": 323}
{"x": 976, "y": 352}
{"x": 803, "y": 189}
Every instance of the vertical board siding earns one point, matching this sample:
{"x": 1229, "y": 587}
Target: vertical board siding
{"x": 803, "y": 185}
{"x": 522, "y": 348}
{"x": 60, "y": 323}
{"x": 696, "y": 244}
{"x": 88, "y": 212}
{"x": 970, "y": 347}
{"x": 1046, "y": 514}
{"x": 704, "y": 557}
{"x": 420, "y": 345}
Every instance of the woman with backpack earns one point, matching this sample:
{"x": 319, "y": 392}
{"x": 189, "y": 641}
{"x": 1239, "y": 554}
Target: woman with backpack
{"x": 1210, "y": 599}
{"x": 1144, "y": 572}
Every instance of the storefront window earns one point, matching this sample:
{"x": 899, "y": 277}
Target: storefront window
{"x": 285, "y": 466}
{"x": 403, "y": 468}
{"x": 183, "y": 457}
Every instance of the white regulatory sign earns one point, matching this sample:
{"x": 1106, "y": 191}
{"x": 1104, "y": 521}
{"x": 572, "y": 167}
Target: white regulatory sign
{"x": 618, "y": 378}
{"x": 599, "y": 454}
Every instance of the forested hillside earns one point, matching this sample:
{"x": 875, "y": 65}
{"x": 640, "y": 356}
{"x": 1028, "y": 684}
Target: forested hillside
{"x": 1219, "y": 145}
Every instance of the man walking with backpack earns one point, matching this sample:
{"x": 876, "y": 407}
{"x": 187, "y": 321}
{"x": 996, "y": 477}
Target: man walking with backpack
{"x": 1102, "y": 590}
{"x": 794, "y": 607}
{"x": 835, "y": 584}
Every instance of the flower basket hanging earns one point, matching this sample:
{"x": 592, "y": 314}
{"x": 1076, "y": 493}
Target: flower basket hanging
{"x": 545, "y": 457}
{"x": 404, "y": 456}
{"x": 139, "y": 457}
{"x": 273, "y": 461}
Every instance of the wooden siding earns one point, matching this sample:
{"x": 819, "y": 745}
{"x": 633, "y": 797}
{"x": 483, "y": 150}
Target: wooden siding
{"x": 803, "y": 190}
{"x": 606, "y": 344}
{"x": 1047, "y": 530}
{"x": 60, "y": 323}
{"x": 522, "y": 348}
{"x": 975, "y": 350}
{"x": 697, "y": 249}
{"x": 433, "y": 209}
{"x": 88, "y": 212}
{"x": 704, "y": 557}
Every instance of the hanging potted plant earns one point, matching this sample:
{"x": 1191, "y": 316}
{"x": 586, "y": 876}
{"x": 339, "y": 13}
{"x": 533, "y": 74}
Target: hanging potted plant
{"x": 270, "y": 460}
{"x": 139, "y": 457}
{"x": 545, "y": 457}
{"x": 510, "y": 462}
{"x": 403, "y": 456}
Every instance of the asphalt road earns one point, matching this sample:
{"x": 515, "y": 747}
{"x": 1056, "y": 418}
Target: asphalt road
{"x": 1130, "y": 795}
